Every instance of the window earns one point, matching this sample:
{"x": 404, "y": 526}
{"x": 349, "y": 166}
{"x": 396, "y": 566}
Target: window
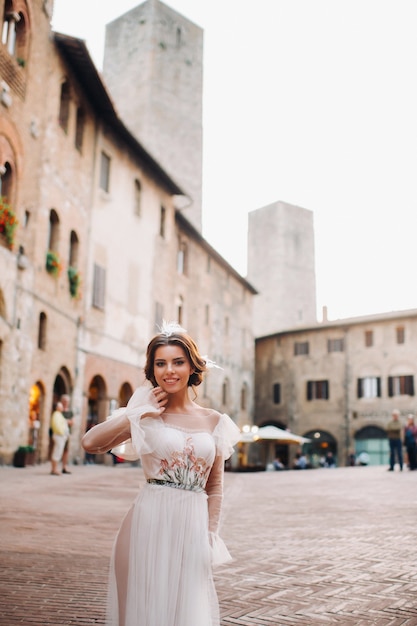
{"x": 180, "y": 310}
{"x": 138, "y": 197}
{"x": 400, "y": 331}
{"x": 276, "y": 393}
{"x": 400, "y": 386}
{"x": 42, "y": 331}
{"x": 79, "y": 129}
{"x": 244, "y": 397}
{"x": 162, "y": 221}
{"x": 318, "y": 390}
{"x": 99, "y": 286}
{"x": 73, "y": 250}
{"x": 182, "y": 258}
{"x": 225, "y": 392}
{"x": 105, "y": 172}
{"x": 301, "y": 347}
{"x": 159, "y": 315}
{"x": 6, "y": 179}
{"x": 64, "y": 106}
{"x": 15, "y": 33}
{"x": 53, "y": 235}
{"x": 335, "y": 345}
{"x": 369, "y": 387}
{"x": 369, "y": 338}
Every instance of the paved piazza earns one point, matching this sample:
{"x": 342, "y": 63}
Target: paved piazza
{"x": 315, "y": 547}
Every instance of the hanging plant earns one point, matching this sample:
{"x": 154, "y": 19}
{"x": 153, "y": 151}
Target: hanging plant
{"x": 74, "y": 279}
{"x": 8, "y": 222}
{"x": 53, "y": 264}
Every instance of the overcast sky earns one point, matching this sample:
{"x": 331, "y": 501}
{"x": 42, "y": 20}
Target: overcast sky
{"x": 312, "y": 102}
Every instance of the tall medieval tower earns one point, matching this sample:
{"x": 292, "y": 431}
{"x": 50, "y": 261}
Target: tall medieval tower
{"x": 281, "y": 267}
{"x": 153, "y": 67}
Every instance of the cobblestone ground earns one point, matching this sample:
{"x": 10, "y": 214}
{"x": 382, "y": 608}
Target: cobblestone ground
{"x": 311, "y": 548}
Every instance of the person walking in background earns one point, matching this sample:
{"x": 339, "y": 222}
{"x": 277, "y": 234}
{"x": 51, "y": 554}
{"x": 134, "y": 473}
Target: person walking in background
{"x": 410, "y": 436}
{"x": 161, "y": 568}
{"x": 395, "y": 442}
{"x": 68, "y": 414}
{"x": 60, "y": 433}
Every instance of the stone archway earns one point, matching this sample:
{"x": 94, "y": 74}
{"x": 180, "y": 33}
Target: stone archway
{"x": 36, "y": 419}
{"x": 373, "y": 441}
{"x": 322, "y": 444}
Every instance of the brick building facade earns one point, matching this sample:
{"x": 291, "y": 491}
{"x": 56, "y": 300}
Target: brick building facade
{"x": 101, "y": 253}
{"x": 338, "y": 382}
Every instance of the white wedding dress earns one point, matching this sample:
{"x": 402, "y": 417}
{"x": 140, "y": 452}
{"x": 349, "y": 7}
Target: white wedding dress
{"x": 161, "y": 566}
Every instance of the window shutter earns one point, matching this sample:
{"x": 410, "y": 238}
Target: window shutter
{"x": 390, "y": 386}
{"x": 360, "y": 388}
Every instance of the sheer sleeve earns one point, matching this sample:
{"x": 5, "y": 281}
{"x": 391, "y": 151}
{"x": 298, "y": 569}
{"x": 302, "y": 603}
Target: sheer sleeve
{"x": 122, "y": 432}
{"x": 226, "y": 434}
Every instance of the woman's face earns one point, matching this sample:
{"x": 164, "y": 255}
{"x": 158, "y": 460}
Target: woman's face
{"x": 172, "y": 369}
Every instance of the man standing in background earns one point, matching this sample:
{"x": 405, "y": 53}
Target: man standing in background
{"x": 395, "y": 442}
{"x": 68, "y": 414}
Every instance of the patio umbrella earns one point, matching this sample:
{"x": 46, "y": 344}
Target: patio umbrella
{"x": 273, "y": 433}
{"x": 280, "y": 435}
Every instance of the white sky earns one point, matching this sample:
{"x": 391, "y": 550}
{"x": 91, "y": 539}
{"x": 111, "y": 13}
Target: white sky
{"x": 312, "y": 102}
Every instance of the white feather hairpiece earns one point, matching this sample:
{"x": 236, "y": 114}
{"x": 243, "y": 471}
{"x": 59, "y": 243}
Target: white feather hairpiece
{"x": 210, "y": 364}
{"x": 169, "y": 328}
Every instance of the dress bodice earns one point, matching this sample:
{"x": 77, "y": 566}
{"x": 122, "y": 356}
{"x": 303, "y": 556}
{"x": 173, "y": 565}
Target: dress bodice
{"x": 180, "y": 456}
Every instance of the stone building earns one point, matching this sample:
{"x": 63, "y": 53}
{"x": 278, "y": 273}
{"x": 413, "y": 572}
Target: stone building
{"x": 338, "y": 382}
{"x": 153, "y": 66}
{"x": 281, "y": 266}
{"x": 102, "y": 252}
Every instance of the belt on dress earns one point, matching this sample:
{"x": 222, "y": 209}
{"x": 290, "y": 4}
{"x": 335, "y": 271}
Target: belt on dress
{"x": 170, "y": 483}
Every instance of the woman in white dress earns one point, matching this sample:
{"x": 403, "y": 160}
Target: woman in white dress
{"x": 161, "y": 567}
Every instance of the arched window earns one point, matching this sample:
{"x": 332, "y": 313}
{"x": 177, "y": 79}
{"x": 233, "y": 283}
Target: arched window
{"x": 182, "y": 257}
{"x": 162, "y": 220}
{"x": 244, "y": 397}
{"x": 15, "y": 33}
{"x": 64, "y": 106}
{"x": 138, "y": 197}
{"x": 73, "y": 251}
{"x": 42, "y": 331}
{"x": 225, "y": 392}
{"x": 53, "y": 238}
{"x": 79, "y": 129}
{"x": 180, "y": 310}
{"x": 6, "y": 179}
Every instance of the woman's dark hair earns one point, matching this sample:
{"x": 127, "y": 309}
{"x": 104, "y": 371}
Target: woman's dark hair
{"x": 189, "y": 346}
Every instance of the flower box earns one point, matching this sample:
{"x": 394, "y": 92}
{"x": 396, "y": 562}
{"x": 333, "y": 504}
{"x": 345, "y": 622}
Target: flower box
{"x": 8, "y": 223}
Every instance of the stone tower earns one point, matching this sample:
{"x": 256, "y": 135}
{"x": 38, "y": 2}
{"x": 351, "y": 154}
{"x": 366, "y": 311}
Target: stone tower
{"x": 153, "y": 67}
{"x": 281, "y": 267}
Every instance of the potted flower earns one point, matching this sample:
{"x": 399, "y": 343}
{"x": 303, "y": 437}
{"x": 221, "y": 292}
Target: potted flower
{"x": 24, "y": 455}
{"x": 53, "y": 263}
{"x": 74, "y": 279}
{"x": 8, "y": 222}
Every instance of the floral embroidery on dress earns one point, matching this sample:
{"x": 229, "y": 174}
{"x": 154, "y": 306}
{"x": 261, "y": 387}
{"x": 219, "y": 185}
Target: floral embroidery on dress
{"x": 185, "y": 469}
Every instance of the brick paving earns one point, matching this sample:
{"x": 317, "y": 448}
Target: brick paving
{"x": 311, "y": 548}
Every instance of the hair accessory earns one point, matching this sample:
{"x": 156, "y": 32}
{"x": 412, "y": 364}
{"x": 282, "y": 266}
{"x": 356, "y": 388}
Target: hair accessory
{"x": 210, "y": 364}
{"x": 169, "y": 328}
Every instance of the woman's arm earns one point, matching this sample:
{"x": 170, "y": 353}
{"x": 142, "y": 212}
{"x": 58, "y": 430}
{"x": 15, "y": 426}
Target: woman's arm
{"x": 214, "y": 489}
{"x": 107, "y": 435}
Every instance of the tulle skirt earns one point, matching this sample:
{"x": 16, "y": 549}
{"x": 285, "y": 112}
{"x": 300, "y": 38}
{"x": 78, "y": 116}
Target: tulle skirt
{"x": 160, "y": 571}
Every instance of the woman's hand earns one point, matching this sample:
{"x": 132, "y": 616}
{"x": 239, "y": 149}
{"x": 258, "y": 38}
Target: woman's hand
{"x": 161, "y": 397}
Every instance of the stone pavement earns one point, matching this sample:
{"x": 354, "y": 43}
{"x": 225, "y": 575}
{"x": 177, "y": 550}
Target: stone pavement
{"x": 313, "y": 547}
